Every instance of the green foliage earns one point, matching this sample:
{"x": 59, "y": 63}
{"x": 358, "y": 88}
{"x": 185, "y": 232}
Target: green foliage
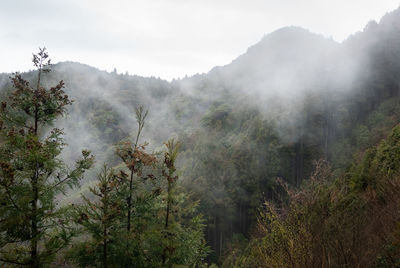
{"x": 230, "y": 167}
{"x": 33, "y": 226}
{"x": 138, "y": 219}
{"x": 98, "y": 219}
{"x": 106, "y": 120}
{"x": 390, "y": 253}
{"x": 231, "y": 152}
{"x": 350, "y": 221}
{"x": 183, "y": 241}
{"x": 378, "y": 163}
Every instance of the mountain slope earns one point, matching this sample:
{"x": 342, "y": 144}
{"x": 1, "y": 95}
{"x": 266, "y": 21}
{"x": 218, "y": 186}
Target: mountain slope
{"x": 291, "y": 99}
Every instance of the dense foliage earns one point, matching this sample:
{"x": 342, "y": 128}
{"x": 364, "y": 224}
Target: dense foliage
{"x": 135, "y": 220}
{"x": 33, "y": 226}
{"x": 278, "y": 151}
{"x": 352, "y": 221}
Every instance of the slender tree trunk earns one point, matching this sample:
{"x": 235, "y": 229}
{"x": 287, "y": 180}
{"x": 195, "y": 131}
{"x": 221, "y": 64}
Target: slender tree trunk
{"x": 131, "y": 183}
{"x": 105, "y": 247}
{"x": 230, "y": 228}
{"x": 130, "y": 202}
{"x": 168, "y": 206}
{"x": 240, "y": 216}
{"x": 35, "y": 190}
{"x": 105, "y": 224}
{"x": 34, "y": 227}
{"x": 164, "y": 257}
{"x": 243, "y": 229}
{"x": 34, "y": 220}
{"x": 220, "y": 243}
{"x": 215, "y": 233}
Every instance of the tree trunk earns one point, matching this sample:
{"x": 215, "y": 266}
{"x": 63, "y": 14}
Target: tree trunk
{"x": 105, "y": 247}
{"x": 130, "y": 202}
{"x": 131, "y": 183}
{"x": 164, "y": 257}
{"x": 220, "y": 243}
{"x": 34, "y": 183}
{"x": 34, "y": 221}
{"x": 215, "y": 234}
{"x": 168, "y": 205}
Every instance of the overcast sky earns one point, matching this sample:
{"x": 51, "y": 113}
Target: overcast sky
{"x": 165, "y": 38}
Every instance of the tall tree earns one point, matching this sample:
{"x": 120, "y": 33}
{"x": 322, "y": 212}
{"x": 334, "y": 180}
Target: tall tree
{"x": 183, "y": 231}
{"x": 139, "y": 192}
{"x": 169, "y": 160}
{"x": 33, "y": 227}
{"x": 163, "y": 227}
{"x": 99, "y": 217}
{"x": 134, "y": 158}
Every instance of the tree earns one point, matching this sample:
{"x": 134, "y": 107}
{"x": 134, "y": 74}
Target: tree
{"x": 134, "y": 158}
{"x": 99, "y": 217}
{"x": 163, "y": 227}
{"x": 139, "y": 190}
{"x": 183, "y": 241}
{"x": 33, "y": 227}
{"x": 169, "y": 160}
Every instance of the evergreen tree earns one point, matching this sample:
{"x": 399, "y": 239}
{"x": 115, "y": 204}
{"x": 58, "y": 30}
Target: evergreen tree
{"x": 183, "y": 239}
{"x": 138, "y": 190}
{"x": 163, "y": 227}
{"x": 169, "y": 161}
{"x": 100, "y": 219}
{"x": 134, "y": 158}
{"x": 33, "y": 227}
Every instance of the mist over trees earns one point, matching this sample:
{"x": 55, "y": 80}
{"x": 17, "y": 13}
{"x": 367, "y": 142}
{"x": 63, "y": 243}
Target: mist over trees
{"x": 287, "y": 157}
{"x": 33, "y": 226}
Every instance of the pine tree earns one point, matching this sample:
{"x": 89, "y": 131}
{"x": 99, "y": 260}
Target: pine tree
{"x": 134, "y": 158}
{"x": 169, "y": 161}
{"x": 183, "y": 238}
{"x": 33, "y": 227}
{"x": 139, "y": 191}
{"x": 99, "y": 217}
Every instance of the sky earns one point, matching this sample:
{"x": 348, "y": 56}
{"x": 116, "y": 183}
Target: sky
{"x": 165, "y": 38}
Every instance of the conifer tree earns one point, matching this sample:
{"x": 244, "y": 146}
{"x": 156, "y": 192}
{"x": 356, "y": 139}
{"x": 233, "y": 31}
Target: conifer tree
{"x": 138, "y": 194}
{"x": 134, "y": 157}
{"x": 33, "y": 227}
{"x": 183, "y": 239}
{"x": 163, "y": 227}
{"x": 169, "y": 161}
{"x": 99, "y": 217}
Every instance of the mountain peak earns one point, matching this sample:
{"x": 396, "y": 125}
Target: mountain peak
{"x": 285, "y": 45}
{"x": 292, "y": 35}
{"x": 288, "y": 31}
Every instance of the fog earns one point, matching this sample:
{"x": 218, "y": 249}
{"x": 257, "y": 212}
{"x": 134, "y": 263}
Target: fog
{"x": 292, "y": 98}
{"x": 275, "y": 75}
{"x": 167, "y": 39}
{"x": 283, "y": 78}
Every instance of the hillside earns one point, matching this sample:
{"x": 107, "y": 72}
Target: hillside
{"x": 289, "y": 101}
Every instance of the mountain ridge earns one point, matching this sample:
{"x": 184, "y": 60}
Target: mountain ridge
{"x": 289, "y": 101}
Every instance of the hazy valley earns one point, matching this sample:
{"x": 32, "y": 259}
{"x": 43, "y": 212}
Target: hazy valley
{"x": 289, "y": 156}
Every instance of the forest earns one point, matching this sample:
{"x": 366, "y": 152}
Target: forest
{"x": 289, "y": 156}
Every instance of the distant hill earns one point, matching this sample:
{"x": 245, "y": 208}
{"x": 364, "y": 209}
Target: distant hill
{"x": 289, "y": 100}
